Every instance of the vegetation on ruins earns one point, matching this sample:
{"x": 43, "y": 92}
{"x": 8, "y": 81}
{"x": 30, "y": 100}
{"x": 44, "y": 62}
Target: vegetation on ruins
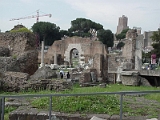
{"x": 23, "y": 29}
{"x": 122, "y": 35}
{"x": 120, "y": 45}
{"x": 47, "y": 31}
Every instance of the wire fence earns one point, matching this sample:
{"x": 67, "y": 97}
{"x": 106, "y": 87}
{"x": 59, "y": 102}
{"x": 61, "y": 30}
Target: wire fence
{"x": 122, "y": 94}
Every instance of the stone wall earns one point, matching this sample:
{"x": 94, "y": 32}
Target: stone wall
{"x": 85, "y": 46}
{"x": 129, "y": 48}
{"x": 14, "y": 81}
{"x": 23, "y": 56}
{"x": 114, "y": 61}
{"x": 138, "y": 53}
{"x": 88, "y": 50}
{"x": 18, "y": 42}
{"x": 132, "y": 51}
{"x": 127, "y": 51}
{"x": 4, "y": 52}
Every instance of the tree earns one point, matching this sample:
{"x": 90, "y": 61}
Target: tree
{"x": 47, "y": 31}
{"x": 120, "y": 44}
{"x": 122, "y": 35}
{"x": 106, "y": 36}
{"x": 156, "y": 43}
{"x": 81, "y": 27}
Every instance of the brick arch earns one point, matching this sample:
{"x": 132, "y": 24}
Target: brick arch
{"x": 70, "y": 48}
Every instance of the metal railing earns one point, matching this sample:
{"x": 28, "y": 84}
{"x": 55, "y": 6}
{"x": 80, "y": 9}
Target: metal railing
{"x": 3, "y": 97}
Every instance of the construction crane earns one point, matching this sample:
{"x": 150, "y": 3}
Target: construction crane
{"x": 33, "y": 16}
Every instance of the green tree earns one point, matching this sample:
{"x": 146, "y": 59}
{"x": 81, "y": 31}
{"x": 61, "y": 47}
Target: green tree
{"x": 81, "y": 27}
{"x": 122, "y": 35}
{"x": 65, "y": 32}
{"x": 156, "y": 43}
{"x": 47, "y": 31}
{"x": 106, "y": 36}
{"x": 120, "y": 44}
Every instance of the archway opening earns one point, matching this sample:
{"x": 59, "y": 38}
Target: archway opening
{"x": 74, "y": 57}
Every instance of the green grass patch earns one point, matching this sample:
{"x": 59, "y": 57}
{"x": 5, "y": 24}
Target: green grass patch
{"x": 81, "y": 104}
{"x": 8, "y": 109}
{"x": 107, "y": 104}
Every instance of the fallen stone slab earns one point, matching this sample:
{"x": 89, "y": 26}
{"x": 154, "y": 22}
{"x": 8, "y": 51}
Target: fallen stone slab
{"x": 152, "y": 119}
{"x": 96, "y": 118}
{"x": 115, "y": 117}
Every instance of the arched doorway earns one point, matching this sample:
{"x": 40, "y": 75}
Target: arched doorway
{"x": 74, "y": 57}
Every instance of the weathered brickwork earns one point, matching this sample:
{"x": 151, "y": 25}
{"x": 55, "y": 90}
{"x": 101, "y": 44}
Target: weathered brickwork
{"x": 88, "y": 49}
{"x": 130, "y": 47}
{"x": 23, "y": 56}
{"x": 18, "y": 42}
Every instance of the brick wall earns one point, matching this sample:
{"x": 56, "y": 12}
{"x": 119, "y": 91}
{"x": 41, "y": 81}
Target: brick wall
{"x": 23, "y": 54}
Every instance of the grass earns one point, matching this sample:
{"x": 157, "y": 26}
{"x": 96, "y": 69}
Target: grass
{"x": 8, "y": 109}
{"x": 102, "y": 104}
{"x": 81, "y": 104}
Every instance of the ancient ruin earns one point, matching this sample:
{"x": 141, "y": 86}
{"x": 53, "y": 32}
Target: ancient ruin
{"x": 125, "y": 66}
{"x": 18, "y": 59}
{"x": 94, "y": 64}
{"x": 92, "y": 53}
{"x": 18, "y": 52}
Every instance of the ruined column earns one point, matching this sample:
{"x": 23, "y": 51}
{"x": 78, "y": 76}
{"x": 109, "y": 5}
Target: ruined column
{"x": 55, "y": 58}
{"x": 42, "y": 55}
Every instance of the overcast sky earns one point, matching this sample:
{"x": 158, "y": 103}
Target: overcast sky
{"x": 140, "y": 13}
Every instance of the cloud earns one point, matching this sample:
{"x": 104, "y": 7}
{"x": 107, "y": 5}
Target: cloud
{"x": 105, "y": 11}
{"x": 140, "y": 13}
{"x": 26, "y": 1}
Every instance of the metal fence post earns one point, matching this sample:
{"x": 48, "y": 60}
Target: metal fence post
{"x": 121, "y": 106}
{"x": 2, "y": 107}
{"x": 50, "y": 107}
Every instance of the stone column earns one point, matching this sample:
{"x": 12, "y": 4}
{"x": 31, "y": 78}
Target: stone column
{"x": 55, "y": 58}
{"x": 42, "y": 55}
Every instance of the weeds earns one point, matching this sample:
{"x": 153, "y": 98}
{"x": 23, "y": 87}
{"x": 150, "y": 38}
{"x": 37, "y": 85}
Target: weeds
{"x": 102, "y": 104}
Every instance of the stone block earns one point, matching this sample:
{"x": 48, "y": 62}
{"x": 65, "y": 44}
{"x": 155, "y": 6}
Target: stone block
{"x": 96, "y": 118}
{"x": 115, "y": 117}
{"x": 129, "y": 80}
{"x": 24, "y": 113}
